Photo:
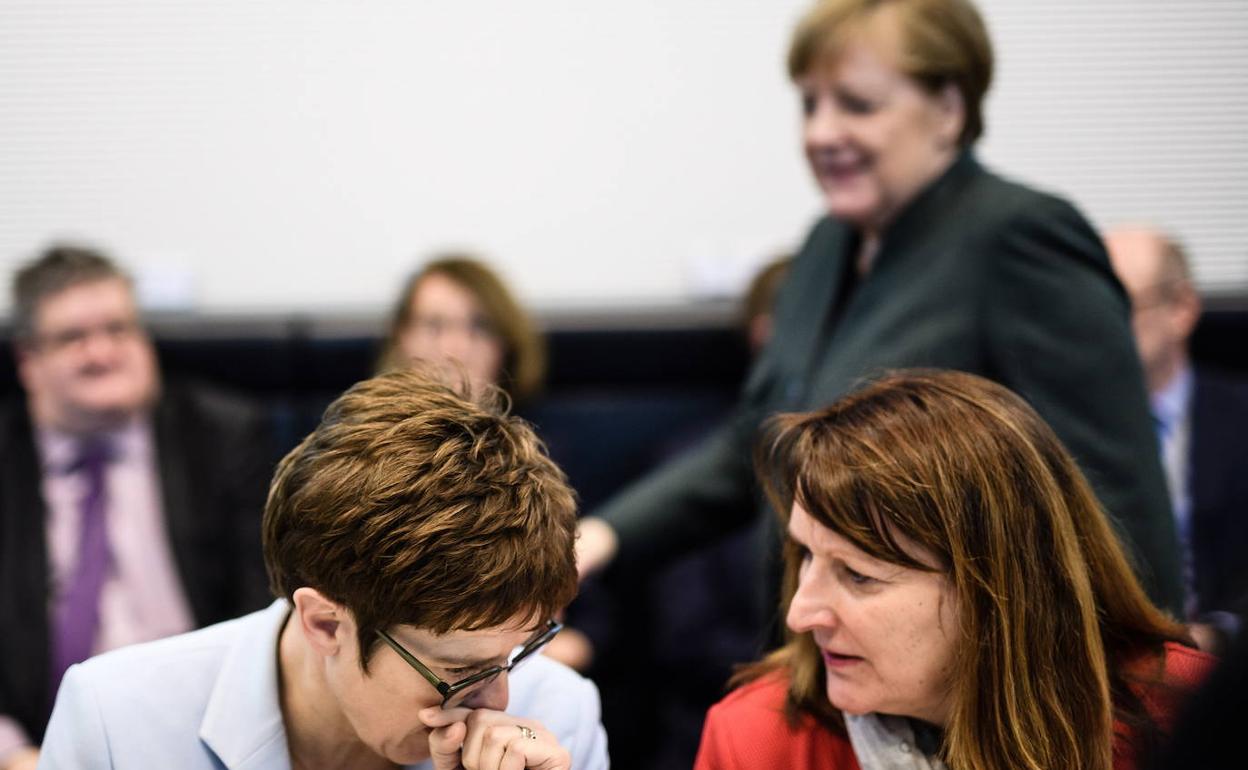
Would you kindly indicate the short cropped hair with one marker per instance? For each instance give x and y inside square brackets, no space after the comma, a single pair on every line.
[411,504]
[524,350]
[942,41]
[1050,613]
[59,267]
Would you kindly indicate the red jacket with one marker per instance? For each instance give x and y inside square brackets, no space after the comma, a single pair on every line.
[747,729]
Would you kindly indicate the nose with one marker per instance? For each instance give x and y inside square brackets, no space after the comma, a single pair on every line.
[455,343]
[812,606]
[492,696]
[99,348]
[822,126]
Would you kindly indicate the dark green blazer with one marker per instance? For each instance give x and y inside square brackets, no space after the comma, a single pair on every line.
[977,274]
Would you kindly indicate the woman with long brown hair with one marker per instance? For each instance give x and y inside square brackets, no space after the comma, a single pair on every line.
[456,313]
[954,594]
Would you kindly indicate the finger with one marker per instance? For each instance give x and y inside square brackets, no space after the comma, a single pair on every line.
[479,723]
[492,728]
[440,717]
[513,759]
[444,746]
[493,746]
[542,752]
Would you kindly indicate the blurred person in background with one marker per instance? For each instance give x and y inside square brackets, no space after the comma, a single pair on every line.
[955,597]
[129,509]
[419,542]
[703,619]
[456,313]
[758,310]
[925,258]
[1201,417]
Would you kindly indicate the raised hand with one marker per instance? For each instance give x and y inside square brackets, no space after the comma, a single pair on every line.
[482,739]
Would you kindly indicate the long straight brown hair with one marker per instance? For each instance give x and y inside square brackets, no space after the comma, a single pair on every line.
[1051,616]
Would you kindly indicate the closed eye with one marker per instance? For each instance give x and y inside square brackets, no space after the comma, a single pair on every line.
[854,104]
[465,672]
[808,103]
[857,578]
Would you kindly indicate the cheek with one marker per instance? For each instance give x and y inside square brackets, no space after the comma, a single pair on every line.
[914,648]
[413,345]
[142,363]
[382,716]
[491,360]
[929,654]
[483,362]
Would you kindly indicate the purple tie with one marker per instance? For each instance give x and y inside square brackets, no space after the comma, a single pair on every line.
[77,612]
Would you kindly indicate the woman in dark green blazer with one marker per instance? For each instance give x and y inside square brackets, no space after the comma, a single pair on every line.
[924,259]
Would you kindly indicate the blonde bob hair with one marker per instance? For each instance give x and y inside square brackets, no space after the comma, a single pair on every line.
[941,42]
[1052,621]
[524,351]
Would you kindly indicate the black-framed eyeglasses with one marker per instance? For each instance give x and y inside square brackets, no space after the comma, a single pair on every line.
[456,693]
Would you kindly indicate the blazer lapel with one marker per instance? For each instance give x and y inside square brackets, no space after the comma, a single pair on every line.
[242,723]
[178,499]
[814,285]
[24,572]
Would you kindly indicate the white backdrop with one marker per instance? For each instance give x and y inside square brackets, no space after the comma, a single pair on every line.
[257,155]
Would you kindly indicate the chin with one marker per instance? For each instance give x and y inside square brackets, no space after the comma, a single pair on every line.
[112,411]
[412,750]
[846,702]
[853,210]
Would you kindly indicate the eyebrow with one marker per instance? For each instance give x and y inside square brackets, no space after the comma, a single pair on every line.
[452,661]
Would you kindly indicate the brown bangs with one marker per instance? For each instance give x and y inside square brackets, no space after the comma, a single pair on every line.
[849,482]
[820,36]
[413,505]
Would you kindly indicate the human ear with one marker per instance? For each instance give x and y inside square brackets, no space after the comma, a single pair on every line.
[1187,308]
[952,114]
[324,623]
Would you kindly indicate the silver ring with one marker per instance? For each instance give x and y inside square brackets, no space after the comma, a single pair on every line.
[527,732]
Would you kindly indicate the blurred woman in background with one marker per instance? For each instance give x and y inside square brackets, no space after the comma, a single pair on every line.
[456,312]
[954,593]
[459,315]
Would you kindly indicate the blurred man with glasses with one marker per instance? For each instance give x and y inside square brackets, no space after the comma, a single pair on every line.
[129,508]
[420,544]
[1201,418]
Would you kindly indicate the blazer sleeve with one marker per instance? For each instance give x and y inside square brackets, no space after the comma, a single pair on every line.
[588,739]
[701,495]
[1058,333]
[711,490]
[76,738]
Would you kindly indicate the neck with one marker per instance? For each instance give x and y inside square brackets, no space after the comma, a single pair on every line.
[867,249]
[1162,374]
[318,735]
[874,230]
[76,425]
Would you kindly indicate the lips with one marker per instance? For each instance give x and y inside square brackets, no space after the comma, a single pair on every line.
[838,661]
[837,165]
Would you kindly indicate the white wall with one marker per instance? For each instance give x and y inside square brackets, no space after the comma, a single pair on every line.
[304,154]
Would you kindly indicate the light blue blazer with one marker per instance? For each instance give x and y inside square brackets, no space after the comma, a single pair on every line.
[208,700]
